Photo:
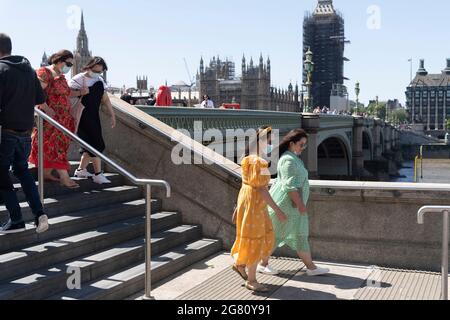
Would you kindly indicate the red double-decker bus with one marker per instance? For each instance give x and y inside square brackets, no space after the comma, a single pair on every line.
[232,106]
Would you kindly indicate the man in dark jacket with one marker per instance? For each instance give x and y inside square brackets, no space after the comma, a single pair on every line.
[20,92]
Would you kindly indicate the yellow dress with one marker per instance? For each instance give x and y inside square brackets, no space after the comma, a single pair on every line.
[255,237]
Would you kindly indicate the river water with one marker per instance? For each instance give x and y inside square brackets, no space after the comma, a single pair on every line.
[406,173]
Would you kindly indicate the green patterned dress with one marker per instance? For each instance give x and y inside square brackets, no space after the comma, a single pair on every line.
[292,176]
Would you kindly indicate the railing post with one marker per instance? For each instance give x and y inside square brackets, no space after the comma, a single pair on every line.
[148,244]
[415,168]
[421,163]
[41,158]
[445,257]
[445,211]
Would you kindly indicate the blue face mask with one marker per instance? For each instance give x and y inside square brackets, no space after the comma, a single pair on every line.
[65,69]
[269,149]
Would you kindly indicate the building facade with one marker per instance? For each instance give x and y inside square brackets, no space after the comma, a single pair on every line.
[142,83]
[252,90]
[428,98]
[324,35]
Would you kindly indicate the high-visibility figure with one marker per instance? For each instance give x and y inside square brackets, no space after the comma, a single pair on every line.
[164,97]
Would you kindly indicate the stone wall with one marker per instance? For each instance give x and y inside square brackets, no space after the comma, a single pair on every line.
[375,227]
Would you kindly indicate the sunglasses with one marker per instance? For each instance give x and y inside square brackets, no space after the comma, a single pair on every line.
[69,64]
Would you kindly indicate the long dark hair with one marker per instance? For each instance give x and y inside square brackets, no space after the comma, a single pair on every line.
[294,136]
[60,56]
[251,144]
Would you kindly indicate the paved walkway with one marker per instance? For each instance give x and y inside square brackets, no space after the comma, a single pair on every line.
[213,279]
[435,171]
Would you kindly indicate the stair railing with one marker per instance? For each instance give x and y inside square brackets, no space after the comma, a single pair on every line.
[444,210]
[41,116]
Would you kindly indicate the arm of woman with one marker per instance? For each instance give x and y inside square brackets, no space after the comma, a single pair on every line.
[292,184]
[49,111]
[265,194]
[75,93]
[107,102]
[298,202]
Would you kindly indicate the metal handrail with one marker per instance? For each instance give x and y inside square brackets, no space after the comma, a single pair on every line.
[445,210]
[143,182]
[379,186]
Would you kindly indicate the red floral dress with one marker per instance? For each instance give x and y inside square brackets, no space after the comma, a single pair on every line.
[56,144]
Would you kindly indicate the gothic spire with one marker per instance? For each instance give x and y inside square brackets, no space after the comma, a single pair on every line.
[82,21]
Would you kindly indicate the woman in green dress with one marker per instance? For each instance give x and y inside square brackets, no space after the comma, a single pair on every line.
[291,194]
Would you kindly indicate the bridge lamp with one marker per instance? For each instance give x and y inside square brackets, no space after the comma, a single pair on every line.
[309,68]
[357,91]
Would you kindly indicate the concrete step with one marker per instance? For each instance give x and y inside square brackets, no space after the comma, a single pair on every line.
[50,281]
[80,201]
[34,171]
[24,261]
[129,281]
[53,189]
[80,221]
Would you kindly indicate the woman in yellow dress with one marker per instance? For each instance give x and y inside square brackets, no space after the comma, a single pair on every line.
[255,238]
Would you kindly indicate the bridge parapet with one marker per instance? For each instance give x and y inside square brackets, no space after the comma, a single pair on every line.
[338,145]
[184,118]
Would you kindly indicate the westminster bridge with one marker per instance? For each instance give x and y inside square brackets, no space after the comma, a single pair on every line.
[338,146]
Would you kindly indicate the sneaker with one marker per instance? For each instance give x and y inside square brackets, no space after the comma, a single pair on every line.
[267,270]
[41,224]
[10,228]
[101,179]
[317,272]
[83,174]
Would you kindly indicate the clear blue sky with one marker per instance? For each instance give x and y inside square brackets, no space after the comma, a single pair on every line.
[152,37]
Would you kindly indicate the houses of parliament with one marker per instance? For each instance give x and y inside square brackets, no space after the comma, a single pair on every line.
[252,90]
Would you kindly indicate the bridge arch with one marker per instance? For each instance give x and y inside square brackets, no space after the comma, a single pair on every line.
[368,146]
[334,157]
[382,144]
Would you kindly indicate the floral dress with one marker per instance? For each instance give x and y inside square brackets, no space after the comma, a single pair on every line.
[56,144]
[292,176]
[254,233]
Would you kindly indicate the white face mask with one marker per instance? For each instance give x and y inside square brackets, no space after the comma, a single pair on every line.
[94,75]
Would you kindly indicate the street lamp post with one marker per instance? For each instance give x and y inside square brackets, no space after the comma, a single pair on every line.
[377,103]
[357,91]
[309,68]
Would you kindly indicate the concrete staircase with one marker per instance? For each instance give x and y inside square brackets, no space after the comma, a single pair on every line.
[100,231]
